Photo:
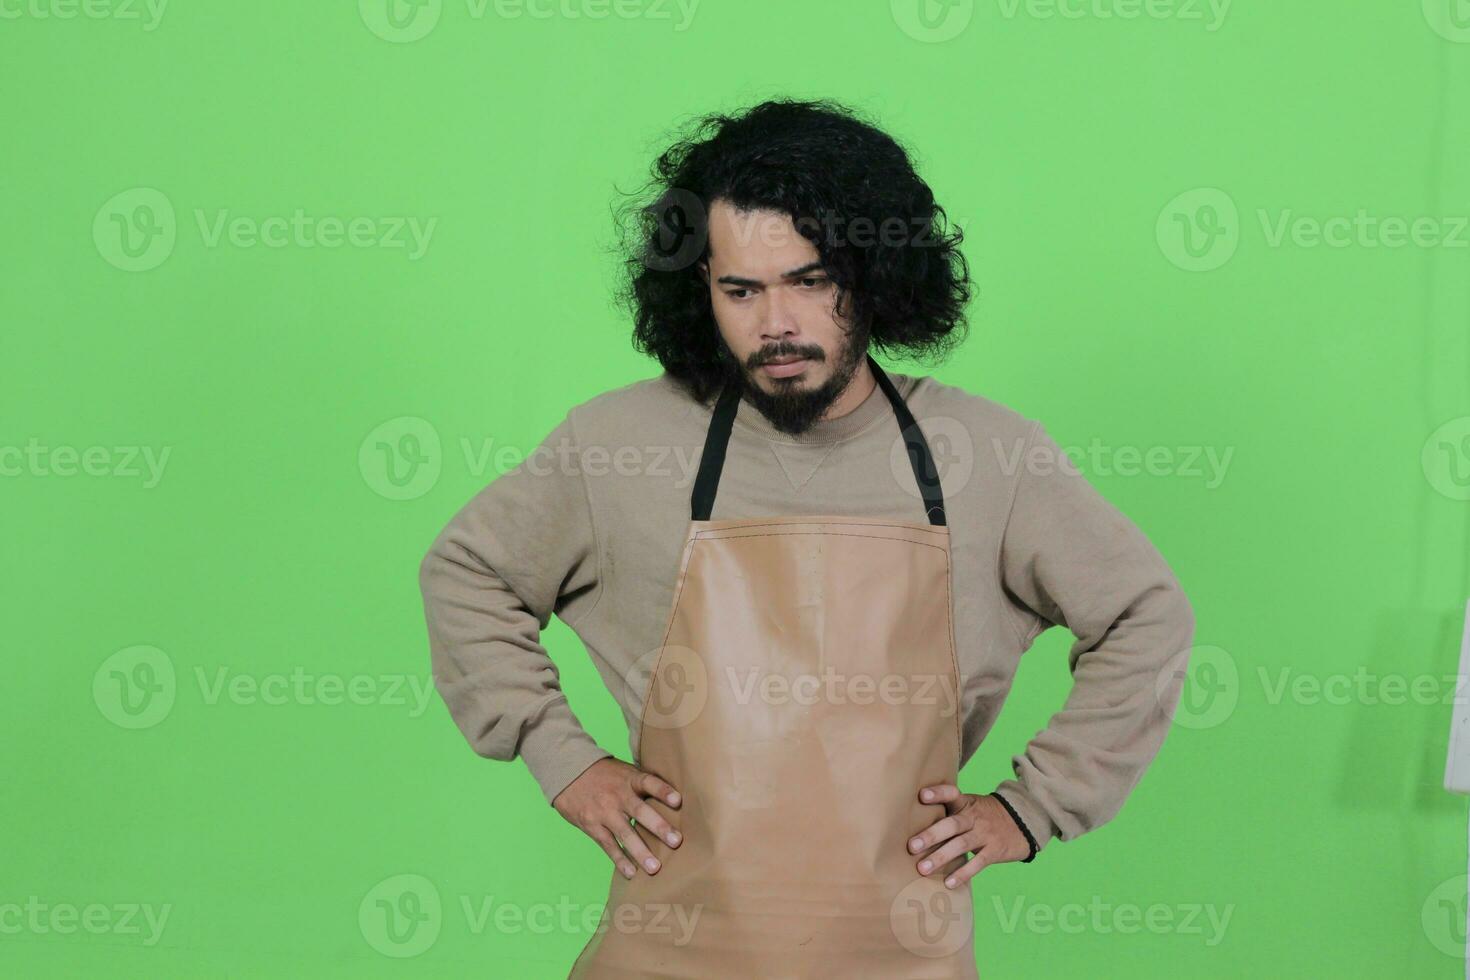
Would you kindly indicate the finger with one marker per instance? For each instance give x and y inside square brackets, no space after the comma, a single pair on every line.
[650,785]
[606,841]
[941,830]
[650,818]
[939,793]
[952,848]
[635,848]
[970,869]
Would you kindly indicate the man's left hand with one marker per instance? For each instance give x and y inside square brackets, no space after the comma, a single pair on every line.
[972,823]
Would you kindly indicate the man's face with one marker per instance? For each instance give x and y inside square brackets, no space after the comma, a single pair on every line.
[777,317]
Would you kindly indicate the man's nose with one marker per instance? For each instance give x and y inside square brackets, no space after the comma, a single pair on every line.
[780,316]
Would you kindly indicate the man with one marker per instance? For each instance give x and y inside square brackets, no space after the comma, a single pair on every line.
[809,637]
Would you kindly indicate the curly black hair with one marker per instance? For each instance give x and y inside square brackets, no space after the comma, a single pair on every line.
[848,188]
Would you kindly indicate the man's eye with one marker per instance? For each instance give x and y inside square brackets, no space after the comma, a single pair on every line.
[736,293]
[808,280]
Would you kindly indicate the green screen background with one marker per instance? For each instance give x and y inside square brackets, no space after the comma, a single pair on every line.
[1074,151]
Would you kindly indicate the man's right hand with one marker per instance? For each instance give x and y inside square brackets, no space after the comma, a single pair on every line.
[603,802]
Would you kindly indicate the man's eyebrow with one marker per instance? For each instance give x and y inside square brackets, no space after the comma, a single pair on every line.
[790,274]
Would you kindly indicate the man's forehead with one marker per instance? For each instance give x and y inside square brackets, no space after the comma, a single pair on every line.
[728,217]
[759,236]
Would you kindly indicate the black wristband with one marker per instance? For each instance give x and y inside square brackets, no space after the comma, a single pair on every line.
[1019,823]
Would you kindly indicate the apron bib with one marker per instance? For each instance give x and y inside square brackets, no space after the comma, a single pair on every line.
[805,689]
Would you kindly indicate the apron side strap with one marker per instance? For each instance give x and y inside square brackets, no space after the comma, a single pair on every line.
[926,474]
[712,457]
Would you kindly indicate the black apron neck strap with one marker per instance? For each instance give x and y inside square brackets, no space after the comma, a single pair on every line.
[712,459]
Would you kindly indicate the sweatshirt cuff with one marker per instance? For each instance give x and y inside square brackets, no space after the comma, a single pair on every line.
[557,750]
[1027,813]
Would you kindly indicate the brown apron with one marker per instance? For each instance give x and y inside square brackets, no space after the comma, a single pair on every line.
[806,688]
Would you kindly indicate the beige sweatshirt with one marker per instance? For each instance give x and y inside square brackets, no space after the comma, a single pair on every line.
[591,524]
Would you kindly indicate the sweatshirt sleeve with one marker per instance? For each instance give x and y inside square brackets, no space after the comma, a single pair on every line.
[515,554]
[1069,558]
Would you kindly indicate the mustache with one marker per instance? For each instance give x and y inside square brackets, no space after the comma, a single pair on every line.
[786,350]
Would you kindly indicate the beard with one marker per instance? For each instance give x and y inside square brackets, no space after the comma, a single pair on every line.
[793,408]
